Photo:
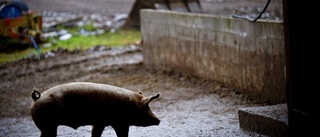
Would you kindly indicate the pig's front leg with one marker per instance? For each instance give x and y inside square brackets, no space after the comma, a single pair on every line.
[49,131]
[97,130]
[121,130]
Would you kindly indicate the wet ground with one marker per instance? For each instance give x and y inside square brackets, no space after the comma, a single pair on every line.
[187,106]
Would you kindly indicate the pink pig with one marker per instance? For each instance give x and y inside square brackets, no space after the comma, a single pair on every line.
[83,103]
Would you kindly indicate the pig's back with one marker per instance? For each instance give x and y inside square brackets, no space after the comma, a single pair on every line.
[88,89]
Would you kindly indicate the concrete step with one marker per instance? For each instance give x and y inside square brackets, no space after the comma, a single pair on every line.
[267,120]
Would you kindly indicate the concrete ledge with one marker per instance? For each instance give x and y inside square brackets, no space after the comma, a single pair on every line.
[268,120]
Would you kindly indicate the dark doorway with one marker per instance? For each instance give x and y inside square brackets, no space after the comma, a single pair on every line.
[301,40]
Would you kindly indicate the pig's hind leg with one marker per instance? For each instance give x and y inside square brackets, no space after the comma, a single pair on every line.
[97,130]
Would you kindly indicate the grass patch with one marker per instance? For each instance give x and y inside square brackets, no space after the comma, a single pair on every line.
[79,42]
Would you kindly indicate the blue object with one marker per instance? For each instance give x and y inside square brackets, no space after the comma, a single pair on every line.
[10,11]
[35,45]
[13,9]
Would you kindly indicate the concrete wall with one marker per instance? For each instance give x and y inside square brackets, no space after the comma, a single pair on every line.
[248,56]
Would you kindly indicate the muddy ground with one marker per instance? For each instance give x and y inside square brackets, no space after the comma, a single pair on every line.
[187,106]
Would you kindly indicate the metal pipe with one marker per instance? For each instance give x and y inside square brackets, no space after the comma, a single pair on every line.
[251,19]
[35,45]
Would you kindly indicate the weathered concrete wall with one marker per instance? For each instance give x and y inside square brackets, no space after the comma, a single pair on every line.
[249,56]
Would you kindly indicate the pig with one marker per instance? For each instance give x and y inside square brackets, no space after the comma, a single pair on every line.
[78,104]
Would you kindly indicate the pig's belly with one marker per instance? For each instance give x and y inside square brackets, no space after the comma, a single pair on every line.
[80,120]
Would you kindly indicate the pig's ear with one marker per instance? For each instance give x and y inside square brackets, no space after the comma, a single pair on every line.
[147,100]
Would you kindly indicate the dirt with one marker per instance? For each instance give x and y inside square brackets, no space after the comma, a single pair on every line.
[187,106]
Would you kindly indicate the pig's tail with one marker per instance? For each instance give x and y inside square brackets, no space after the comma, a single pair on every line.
[35,95]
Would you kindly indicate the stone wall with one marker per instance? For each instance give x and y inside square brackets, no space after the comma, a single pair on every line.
[248,56]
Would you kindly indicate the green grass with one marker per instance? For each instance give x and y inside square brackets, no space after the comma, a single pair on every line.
[108,39]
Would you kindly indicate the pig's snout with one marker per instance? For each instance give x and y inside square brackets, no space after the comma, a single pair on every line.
[154,121]
[149,122]
[151,119]
[157,122]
